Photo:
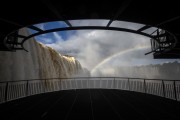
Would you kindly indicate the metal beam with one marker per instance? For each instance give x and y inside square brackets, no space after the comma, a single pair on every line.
[144,28]
[151,52]
[11,22]
[123,7]
[87,28]
[169,20]
[35,28]
[177,34]
[55,12]
[161,35]
[21,36]
[19,25]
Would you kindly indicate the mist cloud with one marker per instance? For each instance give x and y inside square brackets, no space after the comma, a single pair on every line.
[91,47]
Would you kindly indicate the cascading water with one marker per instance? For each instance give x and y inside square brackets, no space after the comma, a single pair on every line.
[39,63]
[57,65]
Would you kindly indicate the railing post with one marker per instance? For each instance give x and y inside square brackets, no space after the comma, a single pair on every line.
[27,88]
[60,85]
[88,83]
[145,86]
[175,95]
[47,85]
[129,84]
[163,87]
[44,85]
[114,83]
[6,91]
[100,86]
[75,84]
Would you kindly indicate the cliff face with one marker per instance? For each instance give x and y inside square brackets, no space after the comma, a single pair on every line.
[40,62]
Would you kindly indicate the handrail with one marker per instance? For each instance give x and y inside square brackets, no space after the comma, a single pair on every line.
[10,90]
[91,77]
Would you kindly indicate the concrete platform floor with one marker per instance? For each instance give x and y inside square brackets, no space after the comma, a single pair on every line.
[91,104]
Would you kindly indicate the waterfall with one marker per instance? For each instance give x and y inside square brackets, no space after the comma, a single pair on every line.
[53,64]
[39,63]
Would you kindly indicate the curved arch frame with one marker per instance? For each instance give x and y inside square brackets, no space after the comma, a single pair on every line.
[87,28]
[39,32]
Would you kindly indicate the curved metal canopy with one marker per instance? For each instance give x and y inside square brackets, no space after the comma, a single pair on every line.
[161,14]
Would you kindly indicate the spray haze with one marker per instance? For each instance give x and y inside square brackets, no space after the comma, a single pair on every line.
[101,50]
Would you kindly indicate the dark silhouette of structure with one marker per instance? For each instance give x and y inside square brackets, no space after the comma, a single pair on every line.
[40,99]
[164,15]
[91,104]
[90,98]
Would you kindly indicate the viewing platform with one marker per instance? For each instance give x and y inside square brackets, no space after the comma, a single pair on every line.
[90,99]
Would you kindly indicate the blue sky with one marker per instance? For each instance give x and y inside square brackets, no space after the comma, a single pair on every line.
[50,37]
[94,47]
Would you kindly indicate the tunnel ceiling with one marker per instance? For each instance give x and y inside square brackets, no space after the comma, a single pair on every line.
[161,14]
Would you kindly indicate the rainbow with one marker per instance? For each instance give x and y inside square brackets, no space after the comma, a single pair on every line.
[117,54]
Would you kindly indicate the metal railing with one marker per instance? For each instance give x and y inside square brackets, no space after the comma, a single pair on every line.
[163,41]
[11,90]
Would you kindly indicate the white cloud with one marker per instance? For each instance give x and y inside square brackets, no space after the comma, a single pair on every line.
[44,39]
[57,37]
[91,47]
[41,26]
[95,45]
[89,22]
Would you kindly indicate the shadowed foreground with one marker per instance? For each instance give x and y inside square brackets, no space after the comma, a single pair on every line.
[91,104]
